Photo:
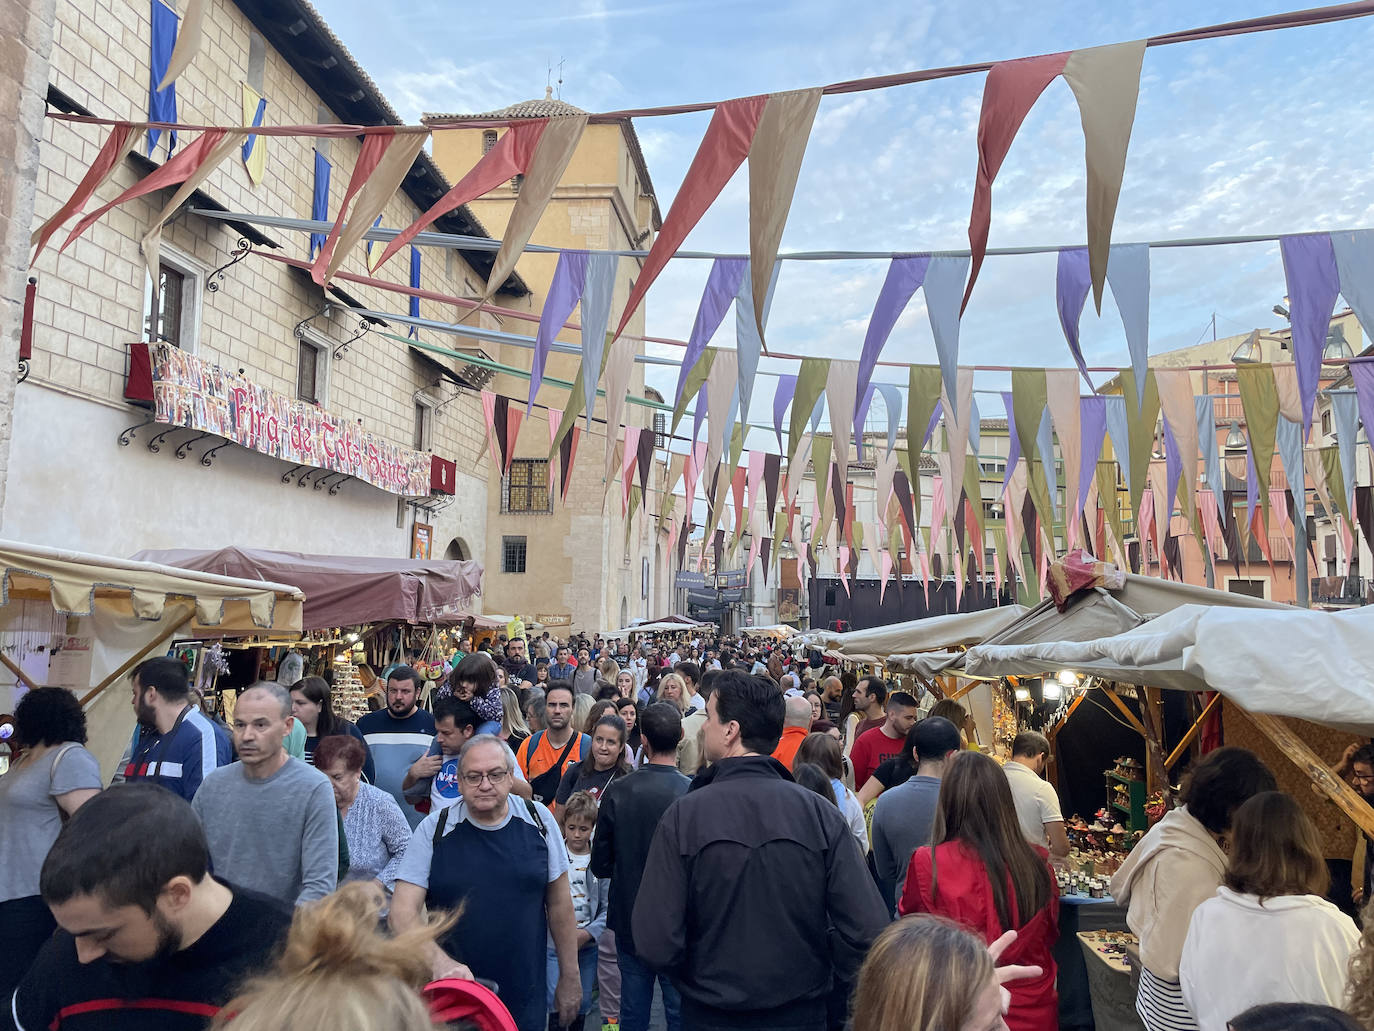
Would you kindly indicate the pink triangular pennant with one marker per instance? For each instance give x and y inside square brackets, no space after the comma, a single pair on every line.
[627,462]
[489,410]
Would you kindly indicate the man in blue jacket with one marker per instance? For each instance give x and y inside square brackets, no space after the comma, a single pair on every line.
[175,744]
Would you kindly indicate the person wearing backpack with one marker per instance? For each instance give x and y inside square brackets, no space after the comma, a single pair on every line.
[500,863]
[546,756]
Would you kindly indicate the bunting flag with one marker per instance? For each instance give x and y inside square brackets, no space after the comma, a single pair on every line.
[1111,507]
[1344,410]
[319,200]
[1030,403]
[617,368]
[957,422]
[1013,441]
[1309,269]
[811,380]
[1205,412]
[255,147]
[753,470]
[1071,284]
[1364,511]
[923,397]
[116,147]
[505,428]
[1106,82]
[1061,394]
[749,338]
[1044,444]
[908,503]
[152,239]
[162,96]
[489,410]
[695,459]
[1335,482]
[1354,253]
[892,401]
[782,397]
[1180,420]
[737,486]
[1128,271]
[1141,419]
[629,453]
[597,296]
[840,399]
[884,473]
[771,468]
[1259,400]
[1288,437]
[550,159]
[943,284]
[1092,420]
[187,45]
[511,156]
[722,150]
[1209,507]
[1278,505]
[371,246]
[383,163]
[721,389]
[565,290]
[184,166]
[415,263]
[904,277]
[567,453]
[645,456]
[722,285]
[775,158]
[1316,472]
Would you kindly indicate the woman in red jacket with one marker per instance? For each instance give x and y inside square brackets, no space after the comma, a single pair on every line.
[982,873]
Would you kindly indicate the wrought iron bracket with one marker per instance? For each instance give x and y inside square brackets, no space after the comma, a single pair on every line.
[299,331]
[305,476]
[290,474]
[439,408]
[23,370]
[334,487]
[320,481]
[184,448]
[364,327]
[209,456]
[216,278]
[126,437]
[153,445]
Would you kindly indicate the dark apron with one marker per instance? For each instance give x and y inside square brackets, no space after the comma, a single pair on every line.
[499,878]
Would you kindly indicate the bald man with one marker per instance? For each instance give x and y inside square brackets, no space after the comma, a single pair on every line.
[831,692]
[796,724]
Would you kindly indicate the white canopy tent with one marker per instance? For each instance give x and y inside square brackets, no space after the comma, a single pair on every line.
[1091,614]
[82,621]
[779,631]
[882,643]
[1285,662]
[661,626]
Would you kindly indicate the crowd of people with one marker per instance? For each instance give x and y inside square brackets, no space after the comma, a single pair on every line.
[565,830]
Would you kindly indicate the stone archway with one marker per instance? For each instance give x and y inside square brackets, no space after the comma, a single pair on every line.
[458,550]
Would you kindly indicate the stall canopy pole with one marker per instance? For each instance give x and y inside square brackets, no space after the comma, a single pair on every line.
[1131,717]
[1152,714]
[23,677]
[1311,764]
[139,656]
[1193,732]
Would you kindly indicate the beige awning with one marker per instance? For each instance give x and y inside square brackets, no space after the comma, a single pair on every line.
[917,635]
[75,583]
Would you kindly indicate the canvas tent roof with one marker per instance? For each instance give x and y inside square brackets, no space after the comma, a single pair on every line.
[917,635]
[670,625]
[780,631]
[1279,661]
[344,590]
[1092,614]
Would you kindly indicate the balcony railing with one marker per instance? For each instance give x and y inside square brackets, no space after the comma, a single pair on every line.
[1340,590]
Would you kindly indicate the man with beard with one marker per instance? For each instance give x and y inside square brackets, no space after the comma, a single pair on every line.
[398,735]
[545,756]
[147,938]
[174,744]
[517,665]
[270,819]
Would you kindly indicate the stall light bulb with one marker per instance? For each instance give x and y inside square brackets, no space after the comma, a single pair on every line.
[351,637]
[1053,690]
[1067,678]
[1023,694]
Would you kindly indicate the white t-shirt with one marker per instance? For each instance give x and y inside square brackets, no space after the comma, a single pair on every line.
[583,906]
[420,852]
[1037,803]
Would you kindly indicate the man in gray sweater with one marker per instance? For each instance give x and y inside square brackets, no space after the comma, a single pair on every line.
[270,819]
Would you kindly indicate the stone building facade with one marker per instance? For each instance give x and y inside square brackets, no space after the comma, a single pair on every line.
[71,483]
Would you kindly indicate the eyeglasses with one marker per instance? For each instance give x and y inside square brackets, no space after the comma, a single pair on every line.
[1364,778]
[495,777]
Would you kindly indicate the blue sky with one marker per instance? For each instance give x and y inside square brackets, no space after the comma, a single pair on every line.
[1268,133]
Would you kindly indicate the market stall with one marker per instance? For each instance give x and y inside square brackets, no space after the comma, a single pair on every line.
[934,633]
[84,621]
[775,631]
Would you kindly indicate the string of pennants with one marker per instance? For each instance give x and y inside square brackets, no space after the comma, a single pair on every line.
[1043,406]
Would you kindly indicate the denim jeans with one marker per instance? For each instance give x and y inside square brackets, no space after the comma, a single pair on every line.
[637,995]
[586,969]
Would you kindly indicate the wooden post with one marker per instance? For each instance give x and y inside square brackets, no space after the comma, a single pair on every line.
[1322,775]
[1131,718]
[23,677]
[1193,732]
[1152,714]
[139,656]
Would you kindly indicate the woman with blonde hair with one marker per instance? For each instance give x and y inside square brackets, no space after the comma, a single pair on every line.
[337,972]
[673,690]
[514,729]
[925,973]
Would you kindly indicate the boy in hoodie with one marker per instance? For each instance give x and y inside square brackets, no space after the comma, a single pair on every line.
[1177,866]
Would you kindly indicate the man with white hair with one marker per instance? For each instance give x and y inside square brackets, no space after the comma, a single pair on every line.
[269,818]
[796,724]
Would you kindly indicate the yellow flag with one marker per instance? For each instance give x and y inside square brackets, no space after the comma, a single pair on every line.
[255,154]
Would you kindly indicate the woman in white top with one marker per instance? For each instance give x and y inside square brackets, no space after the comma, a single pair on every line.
[1267,935]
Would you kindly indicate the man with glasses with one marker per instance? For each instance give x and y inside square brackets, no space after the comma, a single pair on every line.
[1357,767]
[502,862]
[398,735]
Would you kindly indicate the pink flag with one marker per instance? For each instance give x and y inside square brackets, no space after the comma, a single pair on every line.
[884,573]
[1211,523]
[1278,504]
[737,491]
[842,566]
[510,157]
[958,577]
[997,575]
[627,461]
[179,168]
[1011,90]
[722,150]
[937,505]
[925,576]
[1347,546]
[489,410]
[122,137]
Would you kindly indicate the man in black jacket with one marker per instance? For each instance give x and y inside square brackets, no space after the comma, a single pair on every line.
[755,895]
[630,812]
